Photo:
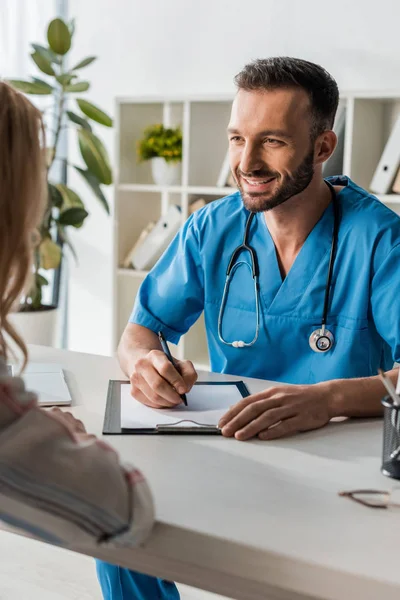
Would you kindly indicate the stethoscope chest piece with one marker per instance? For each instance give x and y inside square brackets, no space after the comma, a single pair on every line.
[321,340]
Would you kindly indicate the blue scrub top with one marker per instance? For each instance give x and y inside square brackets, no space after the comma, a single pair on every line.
[364,312]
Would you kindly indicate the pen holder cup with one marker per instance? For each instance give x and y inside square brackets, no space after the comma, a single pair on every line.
[391,438]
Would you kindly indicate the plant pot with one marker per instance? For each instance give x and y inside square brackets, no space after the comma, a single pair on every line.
[165,173]
[37,326]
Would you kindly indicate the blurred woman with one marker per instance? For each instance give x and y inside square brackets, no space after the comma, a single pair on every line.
[56,481]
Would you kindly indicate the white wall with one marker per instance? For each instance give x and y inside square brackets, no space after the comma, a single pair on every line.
[21,21]
[196,47]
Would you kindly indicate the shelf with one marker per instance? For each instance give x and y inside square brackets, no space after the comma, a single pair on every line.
[206,190]
[213,191]
[131,272]
[148,187]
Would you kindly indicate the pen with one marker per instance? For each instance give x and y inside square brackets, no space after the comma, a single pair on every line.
[396,402]
[168,354]
[389,387]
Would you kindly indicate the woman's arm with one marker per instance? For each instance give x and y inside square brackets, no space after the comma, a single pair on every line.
[60,483]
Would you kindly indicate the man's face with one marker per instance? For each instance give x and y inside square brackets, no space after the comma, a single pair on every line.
[270,148]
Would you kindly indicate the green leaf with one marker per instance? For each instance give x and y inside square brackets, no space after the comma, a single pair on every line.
[74,216]
[46,53]
[80,86]
[35,294]
[78,120]
[43,64]
[95,156]
[55,196]
[59,37]
[50,254]
[69,197]
[84,63]
[94,113]
[31,87]
[41,280]
[65,78]
[93,182]
[38,80]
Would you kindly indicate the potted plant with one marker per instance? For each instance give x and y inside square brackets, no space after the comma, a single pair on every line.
[65,208]
[163,147]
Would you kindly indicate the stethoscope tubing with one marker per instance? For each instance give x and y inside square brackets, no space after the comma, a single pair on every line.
[245,247]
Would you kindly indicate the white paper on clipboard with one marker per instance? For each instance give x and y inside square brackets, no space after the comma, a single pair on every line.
[206,405]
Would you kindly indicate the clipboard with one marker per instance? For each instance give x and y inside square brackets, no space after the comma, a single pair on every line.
[112,417]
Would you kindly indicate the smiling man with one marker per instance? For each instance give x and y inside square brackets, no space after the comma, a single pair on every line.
[313,304]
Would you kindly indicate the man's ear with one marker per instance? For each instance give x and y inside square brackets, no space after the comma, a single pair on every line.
[325,145]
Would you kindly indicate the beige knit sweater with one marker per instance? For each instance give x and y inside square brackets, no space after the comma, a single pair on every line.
[65,488]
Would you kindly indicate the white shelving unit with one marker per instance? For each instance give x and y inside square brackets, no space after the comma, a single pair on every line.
[368,121]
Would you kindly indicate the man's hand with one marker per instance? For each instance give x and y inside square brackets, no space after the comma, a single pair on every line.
[277,412]
[156,383]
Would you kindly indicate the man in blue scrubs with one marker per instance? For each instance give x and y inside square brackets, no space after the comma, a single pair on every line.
[280,134]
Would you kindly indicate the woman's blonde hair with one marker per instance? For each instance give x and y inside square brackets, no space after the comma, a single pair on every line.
[22,200]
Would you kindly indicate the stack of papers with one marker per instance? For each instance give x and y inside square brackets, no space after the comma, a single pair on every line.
[47,380]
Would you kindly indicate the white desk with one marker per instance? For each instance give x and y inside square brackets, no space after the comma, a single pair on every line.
[254,520]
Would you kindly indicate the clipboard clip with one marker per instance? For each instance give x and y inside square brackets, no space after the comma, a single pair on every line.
[196,427]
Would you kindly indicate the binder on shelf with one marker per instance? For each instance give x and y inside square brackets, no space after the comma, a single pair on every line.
[389,163]
[224,172]
[334,165]
[127,262]
[147,253]
[396,183]
[340,119]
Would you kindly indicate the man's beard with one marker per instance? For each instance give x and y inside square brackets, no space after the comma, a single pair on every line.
[291,186]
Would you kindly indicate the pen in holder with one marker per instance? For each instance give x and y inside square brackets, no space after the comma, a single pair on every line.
[391,438]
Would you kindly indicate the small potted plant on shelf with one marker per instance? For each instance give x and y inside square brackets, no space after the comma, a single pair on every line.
[65,209]
[163,147]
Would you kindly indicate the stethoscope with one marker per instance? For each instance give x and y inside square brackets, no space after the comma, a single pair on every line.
[321,340]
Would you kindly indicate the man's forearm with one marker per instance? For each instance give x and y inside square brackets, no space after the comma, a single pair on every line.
[136,341]
[357,397]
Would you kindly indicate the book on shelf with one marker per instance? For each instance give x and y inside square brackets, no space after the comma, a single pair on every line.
[389,163]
